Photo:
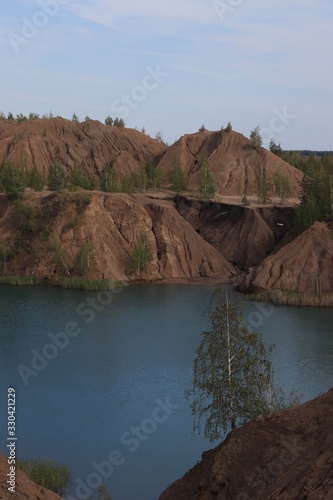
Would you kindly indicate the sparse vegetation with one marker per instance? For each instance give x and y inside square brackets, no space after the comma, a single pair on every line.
[202,128]
[13,180]
[88,284]
[49,474]
[207,183]
[177,178]
[84,257]
[35,181]
[281,186]
[56,179]
[263,185]
[141,255]
[256,139]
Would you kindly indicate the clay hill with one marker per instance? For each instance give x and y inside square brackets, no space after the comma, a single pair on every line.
[91,144]
[232,159]
[286,456]
[305,265]
[62,225]
[25,489]
[88,144]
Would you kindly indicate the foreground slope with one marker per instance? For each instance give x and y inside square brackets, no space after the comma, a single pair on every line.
[112,223]
[304,266]
[25,489]
[286,456]
[233,162]
[88,144]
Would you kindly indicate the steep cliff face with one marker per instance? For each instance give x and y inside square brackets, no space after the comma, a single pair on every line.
[245,236]
[305,265]
[285,456]
[233,162]
[112,223]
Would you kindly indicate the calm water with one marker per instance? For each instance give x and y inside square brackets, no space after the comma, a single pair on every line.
[116,391]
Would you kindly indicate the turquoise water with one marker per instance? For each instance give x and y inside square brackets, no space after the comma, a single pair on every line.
[111,401]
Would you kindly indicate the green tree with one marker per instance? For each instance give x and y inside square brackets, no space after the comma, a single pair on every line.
[141,255]
[7,253]
[13,181]
[281,185]
[233,379]
[75,118]
[77,178]
[36,181]
[108,177]
[61,257]
[56,178]
[109,121]
[256,138]
[177,178]
[202,128]
[207,183]
[263,185]
[101,494]
[84,257]
[275,149]
[155,176]
[119,122]
[10,116]
[228,127]
[21,118]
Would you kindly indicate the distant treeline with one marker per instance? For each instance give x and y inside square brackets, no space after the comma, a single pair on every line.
[308,152]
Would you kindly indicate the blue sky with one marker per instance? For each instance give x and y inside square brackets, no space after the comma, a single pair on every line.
[174,65]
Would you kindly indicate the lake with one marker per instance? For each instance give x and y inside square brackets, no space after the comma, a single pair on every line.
[100,377]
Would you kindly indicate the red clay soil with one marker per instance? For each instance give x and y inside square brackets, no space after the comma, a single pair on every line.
[304,265]
[113,223]
[25,489]
[88,144]
[233,162]
[287,456]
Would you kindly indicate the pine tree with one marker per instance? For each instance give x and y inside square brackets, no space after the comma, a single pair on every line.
[56,179]
[256,138]
[13,181]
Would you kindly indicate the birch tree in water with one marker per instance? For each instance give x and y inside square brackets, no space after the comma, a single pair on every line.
[233,379]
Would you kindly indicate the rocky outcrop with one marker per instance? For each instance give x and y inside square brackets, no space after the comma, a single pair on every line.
[286,456]
[112,223]
[25,489]
[305,265]
[233,162]
[244,235]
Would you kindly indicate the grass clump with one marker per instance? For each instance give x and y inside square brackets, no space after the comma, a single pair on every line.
[19,280]
[293,298]
[88,284]
[51,475]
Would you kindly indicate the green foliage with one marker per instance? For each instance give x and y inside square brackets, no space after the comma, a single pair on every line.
[25,217]
[159,137]
[233,379]
[84,257]
[21,118]
[177,178]
[228,128]
[61,257]
[119,122]
[7,253]
[56,179]
[281,186]
[35,181]
[155,176]
[10,116]
[101,494]
[75,118]
[141,255]
[109,121]
[13,180]
[87,118]
[2,115]
[245,201]
[77,178]
[263,185]
[109,179]
[48,116]
[202,128]
[85,284]
[33,116]
[207,183]
[49,474]
[256,138]
[275,149]
[19,280]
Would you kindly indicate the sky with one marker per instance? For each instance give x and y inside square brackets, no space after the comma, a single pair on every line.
[172,66]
